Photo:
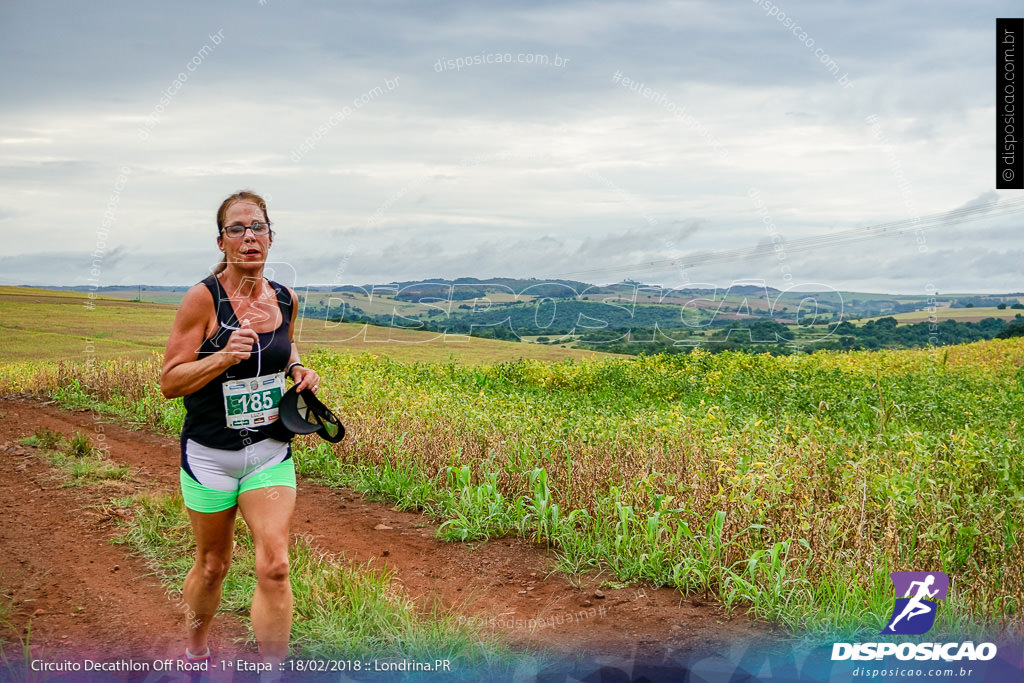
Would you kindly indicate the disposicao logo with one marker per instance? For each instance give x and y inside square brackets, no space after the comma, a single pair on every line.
[914,612]
[917,594]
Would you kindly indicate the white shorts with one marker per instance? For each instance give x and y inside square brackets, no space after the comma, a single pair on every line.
[223,470]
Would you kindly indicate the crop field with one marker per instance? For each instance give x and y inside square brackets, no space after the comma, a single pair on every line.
[786,486]
[39,324]
[945,313]
[43,324]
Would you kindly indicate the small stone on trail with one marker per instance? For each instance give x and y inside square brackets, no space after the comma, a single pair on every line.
[599,595]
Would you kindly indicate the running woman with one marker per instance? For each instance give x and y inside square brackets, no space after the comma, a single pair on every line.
[230,349]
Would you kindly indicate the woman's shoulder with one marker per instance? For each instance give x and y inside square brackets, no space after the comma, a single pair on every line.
[196,313]
[198,300]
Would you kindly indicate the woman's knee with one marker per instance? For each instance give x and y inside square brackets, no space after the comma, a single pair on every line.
[272,568]
[212,568]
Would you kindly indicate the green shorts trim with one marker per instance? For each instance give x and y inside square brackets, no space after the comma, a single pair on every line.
[202,499]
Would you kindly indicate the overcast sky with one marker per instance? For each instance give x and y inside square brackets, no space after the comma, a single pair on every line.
[409,140]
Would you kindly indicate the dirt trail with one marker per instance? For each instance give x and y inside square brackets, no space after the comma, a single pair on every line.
[85,595]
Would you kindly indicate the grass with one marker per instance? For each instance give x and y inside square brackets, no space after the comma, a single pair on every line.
[15,668]
[787,486]
[411,346]
[340,608]
[70,325]
[40,325]
[82,463]
[972,314]
[43,438]
[7,628]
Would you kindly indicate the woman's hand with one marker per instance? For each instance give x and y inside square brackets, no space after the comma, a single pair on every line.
[240,343]
[183,371]
[305,378]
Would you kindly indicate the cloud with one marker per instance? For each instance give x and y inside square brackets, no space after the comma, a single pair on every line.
[985,199]
[499,167]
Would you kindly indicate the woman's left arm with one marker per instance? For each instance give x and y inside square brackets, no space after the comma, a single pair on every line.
[305,378]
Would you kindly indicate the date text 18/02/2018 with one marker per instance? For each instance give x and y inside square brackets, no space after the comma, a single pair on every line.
[334,665]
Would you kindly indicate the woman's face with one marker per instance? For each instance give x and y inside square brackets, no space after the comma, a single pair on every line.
[247,250]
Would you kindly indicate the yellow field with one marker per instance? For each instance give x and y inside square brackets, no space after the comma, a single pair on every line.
[972,315]
[378,304]
[41,324]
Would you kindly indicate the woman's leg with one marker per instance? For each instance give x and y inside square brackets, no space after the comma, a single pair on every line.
[215,536]
[268,512]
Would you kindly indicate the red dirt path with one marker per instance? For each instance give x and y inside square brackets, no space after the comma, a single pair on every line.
[85,596]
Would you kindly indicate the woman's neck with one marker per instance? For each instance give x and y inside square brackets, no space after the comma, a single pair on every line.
[238,284]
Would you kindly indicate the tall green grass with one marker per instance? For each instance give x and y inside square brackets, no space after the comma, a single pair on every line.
[790,486]
[340,608]
[81,461]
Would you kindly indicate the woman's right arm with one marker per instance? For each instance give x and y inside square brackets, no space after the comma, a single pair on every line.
[183,371]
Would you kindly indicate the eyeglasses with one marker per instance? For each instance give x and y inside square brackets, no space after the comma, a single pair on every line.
[236,231]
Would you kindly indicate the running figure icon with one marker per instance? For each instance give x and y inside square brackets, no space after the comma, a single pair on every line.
[915,605]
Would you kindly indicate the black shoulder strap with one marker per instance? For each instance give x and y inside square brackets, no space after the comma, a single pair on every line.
[284,300]
[225,313]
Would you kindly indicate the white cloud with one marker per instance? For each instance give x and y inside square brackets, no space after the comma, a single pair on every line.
[509,169]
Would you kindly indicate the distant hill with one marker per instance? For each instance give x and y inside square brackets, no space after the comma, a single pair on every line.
[633,317]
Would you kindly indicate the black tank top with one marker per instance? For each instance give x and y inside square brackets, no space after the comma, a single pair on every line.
[204,409]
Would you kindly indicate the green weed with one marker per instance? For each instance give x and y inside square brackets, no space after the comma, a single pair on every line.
[340,608]
[79,446]
[80,461]
[780,485]
[15,647]
[43,438]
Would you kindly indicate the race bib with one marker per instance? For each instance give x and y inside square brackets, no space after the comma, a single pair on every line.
[252,403]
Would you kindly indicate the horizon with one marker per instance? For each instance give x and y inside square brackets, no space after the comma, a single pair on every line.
[369,287]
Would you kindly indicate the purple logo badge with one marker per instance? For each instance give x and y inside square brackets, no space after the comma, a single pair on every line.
[916,596]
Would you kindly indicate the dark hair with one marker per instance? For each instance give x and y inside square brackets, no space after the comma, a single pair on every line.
[222,212]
